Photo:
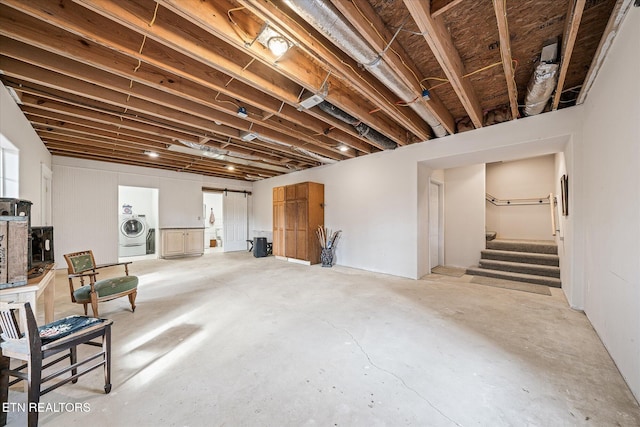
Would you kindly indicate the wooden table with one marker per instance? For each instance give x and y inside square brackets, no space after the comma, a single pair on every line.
[30,292]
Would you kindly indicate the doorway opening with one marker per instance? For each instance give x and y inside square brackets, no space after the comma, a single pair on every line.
[137,223]
[436,223]
[214,222]
[229,210]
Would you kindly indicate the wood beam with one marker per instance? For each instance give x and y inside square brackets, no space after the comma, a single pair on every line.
[111,57]
[75,109]
[102,62]
[619,11]
[109,88]
[60,123]
[438,7]
[35,99]
[439,39]
[294,70]
[124,148]
[364,18]
[313,44]
[574,16]
[181,101]
[500,8]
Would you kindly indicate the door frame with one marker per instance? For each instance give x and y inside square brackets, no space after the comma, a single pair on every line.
[441,220]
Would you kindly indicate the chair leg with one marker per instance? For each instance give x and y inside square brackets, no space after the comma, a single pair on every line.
[4,387]
[85,308]
[73,357]
[132,300]
[106,348]
[94,304]
[34,375]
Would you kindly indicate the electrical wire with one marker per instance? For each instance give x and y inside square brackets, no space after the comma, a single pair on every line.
[236,27]
[144,39]
[223,100]
[388,45]
[320,43]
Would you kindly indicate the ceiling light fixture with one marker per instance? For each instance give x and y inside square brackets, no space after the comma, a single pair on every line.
[231,168]
[248,136]
[343,148]
[273,40]
[278,45]
[152,154]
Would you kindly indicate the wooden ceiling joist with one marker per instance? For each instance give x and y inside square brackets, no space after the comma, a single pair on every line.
[440,42]
[500,7]
[305,74]
[190,99]
[370,26]
[143,100]
[108,80]
[439,7]
[311,42]
[152,127]
[619,11]
[63,43]
[574,16]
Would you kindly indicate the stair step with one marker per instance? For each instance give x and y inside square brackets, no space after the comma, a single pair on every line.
[536,246]
[519,277]
[523,257]
[519,267]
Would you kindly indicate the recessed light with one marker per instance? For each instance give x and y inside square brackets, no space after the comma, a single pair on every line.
[343,148]
[152,154]
[231,168]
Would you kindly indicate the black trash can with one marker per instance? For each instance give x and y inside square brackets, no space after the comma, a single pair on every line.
[259,247]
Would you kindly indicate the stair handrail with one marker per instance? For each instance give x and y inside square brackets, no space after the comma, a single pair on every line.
[518,202]
[553,214]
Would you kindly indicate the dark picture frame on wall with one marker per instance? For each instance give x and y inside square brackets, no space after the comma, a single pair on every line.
[564,188]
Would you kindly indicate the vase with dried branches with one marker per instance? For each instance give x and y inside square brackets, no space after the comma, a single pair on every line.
[328,242]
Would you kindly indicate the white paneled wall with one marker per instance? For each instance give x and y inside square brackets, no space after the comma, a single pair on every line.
[85,202]
[85,214]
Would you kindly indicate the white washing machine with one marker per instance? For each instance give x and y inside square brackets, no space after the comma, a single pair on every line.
[133,235]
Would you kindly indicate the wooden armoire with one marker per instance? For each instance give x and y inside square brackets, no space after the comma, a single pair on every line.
[298,210]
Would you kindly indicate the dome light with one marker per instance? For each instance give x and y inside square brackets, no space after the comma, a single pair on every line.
[278,45]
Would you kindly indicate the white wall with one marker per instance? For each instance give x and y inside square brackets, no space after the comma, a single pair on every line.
[86,210]
[464,235]
[374,199]
[521,179]
[564,235]
[609,201]
[33,153]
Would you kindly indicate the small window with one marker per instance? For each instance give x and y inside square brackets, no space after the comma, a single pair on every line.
[9,168]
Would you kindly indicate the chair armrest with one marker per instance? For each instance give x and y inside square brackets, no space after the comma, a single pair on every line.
[113,264]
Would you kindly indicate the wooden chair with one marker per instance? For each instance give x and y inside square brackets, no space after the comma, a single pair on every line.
[81,265]
[39,343]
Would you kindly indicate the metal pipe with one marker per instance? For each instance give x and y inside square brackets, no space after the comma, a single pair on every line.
[363,130]
[325,18]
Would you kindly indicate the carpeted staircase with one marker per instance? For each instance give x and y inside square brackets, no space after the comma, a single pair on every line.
[531,261]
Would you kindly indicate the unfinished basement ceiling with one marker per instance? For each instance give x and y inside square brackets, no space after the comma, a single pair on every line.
[194,81]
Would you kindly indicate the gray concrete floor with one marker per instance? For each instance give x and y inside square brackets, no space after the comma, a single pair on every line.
[233,340]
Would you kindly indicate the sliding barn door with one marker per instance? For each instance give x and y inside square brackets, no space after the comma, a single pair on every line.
[234,207]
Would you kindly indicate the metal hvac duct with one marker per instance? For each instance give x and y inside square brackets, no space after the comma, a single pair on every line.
[307,153]
[540,88]
[363,130]
[325,18]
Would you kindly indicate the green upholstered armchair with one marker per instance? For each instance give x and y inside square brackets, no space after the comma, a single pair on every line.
[82,265]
